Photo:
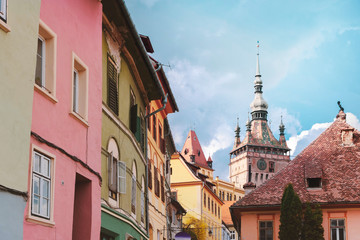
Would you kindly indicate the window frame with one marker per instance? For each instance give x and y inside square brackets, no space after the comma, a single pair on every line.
[337,228]
[133,190]
[3,11]
[34,217]
[265,229]
[43,61]
[121,177]
[48,83]
[83,94]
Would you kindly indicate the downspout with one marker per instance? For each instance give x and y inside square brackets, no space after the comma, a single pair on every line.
[164,102]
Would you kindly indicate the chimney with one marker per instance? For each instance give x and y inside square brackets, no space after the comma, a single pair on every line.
[347,137]
[248,187]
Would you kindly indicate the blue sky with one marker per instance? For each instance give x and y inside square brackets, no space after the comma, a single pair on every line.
[309,59]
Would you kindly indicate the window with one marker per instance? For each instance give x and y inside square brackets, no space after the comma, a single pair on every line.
[215,209]
[150,176]
[133,189]
[162,189]
[232,235]
[154,127]
[271,166]
[219,212]
[208,203]
[41,185]
[266,230]
[212,206]
[204,199]
[337,228]
[121,177]
[79,88]
[314,182]
[156,182]
[112,86]
[3,10]
[173,195]
[142,200]
[45,72]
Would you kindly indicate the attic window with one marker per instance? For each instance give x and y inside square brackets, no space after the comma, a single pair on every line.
[186,151]
[192,157]
[314,182]
[199,153]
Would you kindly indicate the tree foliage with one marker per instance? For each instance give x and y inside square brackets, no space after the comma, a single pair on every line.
[290,215]
[312,224]
[195,227]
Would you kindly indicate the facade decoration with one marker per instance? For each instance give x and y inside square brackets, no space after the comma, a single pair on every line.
[323,173]
[259,155]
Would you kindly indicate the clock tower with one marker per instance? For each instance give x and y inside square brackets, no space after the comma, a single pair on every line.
[259,155]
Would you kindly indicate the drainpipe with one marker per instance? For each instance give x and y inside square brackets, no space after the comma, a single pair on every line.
[164,102]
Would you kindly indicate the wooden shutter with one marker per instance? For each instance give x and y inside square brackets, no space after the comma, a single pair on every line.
[150,176]
[162,189]
[133,118]
[112,94]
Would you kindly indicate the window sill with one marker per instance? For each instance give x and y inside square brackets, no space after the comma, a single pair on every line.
[5,27]
[45,93]
[79,118]
[39,220]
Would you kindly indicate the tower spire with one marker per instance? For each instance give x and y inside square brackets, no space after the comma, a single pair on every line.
[259,106]
[281,127]
[237,134]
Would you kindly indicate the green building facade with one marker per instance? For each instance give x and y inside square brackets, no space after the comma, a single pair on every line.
[129,84]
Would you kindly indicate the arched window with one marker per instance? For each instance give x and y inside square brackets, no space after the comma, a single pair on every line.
[142,199]
[133,188]
[116,177]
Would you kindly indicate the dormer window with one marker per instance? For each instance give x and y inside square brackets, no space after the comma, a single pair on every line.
[186,151]
[313,182]
[192,157]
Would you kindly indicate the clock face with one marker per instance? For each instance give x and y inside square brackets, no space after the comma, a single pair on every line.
[261,164]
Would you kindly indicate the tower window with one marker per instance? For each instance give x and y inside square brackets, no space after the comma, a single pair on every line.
[314,182]
[271,166]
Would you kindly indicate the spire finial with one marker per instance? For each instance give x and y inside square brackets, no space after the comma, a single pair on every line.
[248,124]
[237,129]
[341,108]
[258,62]
[281,126]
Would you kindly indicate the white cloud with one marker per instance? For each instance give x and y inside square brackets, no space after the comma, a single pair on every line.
[223,138]
[291,122]
[347,29]
[300,141]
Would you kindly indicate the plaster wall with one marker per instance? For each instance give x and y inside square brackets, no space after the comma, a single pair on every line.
[17,71]
[250,225]
[12,213]
[180,173]
[77,25]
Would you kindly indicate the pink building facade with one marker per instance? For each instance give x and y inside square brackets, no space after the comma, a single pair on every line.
[64,181]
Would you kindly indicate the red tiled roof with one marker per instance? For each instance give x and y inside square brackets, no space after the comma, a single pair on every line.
[192,147]
[326,157]
[261,135]
[225,213]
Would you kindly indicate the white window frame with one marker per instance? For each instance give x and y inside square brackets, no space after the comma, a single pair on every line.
[44,176]
[81,96]
[121,177]
[142,199]
[3,10]
[337,228]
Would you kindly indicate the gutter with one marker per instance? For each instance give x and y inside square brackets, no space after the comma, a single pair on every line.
[143,52]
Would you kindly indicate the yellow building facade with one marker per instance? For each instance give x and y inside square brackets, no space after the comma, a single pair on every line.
[194,192]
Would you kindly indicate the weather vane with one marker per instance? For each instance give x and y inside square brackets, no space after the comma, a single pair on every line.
[341,108]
